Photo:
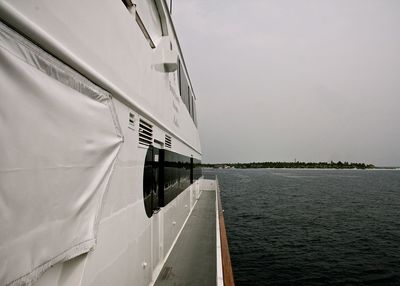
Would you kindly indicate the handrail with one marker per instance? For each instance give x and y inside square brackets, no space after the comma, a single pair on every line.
[226,258]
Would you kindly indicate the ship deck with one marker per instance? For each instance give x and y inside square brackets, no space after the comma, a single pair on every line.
[193,259]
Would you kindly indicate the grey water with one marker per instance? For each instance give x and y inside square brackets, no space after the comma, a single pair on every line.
[312,227]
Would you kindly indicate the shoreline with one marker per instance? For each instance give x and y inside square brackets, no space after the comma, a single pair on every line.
[295,165]
[269,168]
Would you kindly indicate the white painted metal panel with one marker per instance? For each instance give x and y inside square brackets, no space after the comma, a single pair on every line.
[102,41]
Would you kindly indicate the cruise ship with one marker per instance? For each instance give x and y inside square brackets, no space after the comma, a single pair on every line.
[100,178]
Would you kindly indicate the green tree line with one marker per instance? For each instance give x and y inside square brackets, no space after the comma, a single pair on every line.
[304,165]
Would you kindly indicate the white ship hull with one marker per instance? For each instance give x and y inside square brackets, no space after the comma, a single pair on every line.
[81,81]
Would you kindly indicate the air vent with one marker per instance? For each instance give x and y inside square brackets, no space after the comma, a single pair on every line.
[168,142]
[145,133]
[131,123]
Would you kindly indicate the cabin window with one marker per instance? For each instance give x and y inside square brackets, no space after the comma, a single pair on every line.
[194,112]
[186,92]
[166,175]
[183,85]
[190,102]
[177,170]
[144,30]
[150,181]
[197,172]
[128,4]
[150,17]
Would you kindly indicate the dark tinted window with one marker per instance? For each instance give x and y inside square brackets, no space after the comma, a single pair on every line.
[184,86]
[166,175]
[197,171]
[176,175]
[186,93]
[150,180]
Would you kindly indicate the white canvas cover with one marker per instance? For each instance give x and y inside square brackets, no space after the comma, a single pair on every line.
[59,139]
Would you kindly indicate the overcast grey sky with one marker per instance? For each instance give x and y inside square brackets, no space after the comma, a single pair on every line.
[277,79]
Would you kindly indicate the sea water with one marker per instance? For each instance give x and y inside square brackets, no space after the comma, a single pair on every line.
[312,227]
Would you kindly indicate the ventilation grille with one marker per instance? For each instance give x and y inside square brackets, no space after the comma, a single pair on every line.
[145,133]
[168,142]
[131,124]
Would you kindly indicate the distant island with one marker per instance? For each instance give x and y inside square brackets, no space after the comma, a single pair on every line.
[302,165]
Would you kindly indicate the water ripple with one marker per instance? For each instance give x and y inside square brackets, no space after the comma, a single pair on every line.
[312,227]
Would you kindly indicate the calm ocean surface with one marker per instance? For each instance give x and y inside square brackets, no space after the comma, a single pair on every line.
[312,227]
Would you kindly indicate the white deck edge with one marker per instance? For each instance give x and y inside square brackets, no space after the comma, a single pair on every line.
[220,275]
